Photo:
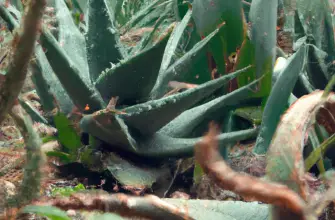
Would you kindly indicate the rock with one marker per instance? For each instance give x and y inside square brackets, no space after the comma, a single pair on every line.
[50,146]
[9,133]
[7,190]
[207,189]
[44,130]
[180,195]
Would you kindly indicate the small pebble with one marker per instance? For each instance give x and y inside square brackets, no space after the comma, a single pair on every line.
[71,212]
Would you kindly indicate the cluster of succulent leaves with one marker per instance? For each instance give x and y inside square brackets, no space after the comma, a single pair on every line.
[187,43]
[144,121]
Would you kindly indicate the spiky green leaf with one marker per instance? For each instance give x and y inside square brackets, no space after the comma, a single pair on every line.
[263,18]
[182,67]
[279,97]
[69,74]
[71,40]
[149,117]
[133,78]
[185,123]
[103,46]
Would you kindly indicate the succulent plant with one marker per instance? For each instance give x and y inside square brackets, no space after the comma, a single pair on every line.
[209,44]
[144,122]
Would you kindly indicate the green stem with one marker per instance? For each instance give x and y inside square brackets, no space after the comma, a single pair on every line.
[315,155]
[30,186]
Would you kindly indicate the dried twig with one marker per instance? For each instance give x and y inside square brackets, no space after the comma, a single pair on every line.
[181,85]
[128,206]
[174,178]
[112,103]
[251,188]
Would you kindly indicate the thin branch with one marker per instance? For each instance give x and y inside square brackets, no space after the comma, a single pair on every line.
[251,188]
[174,178]
[24,44]
[128,206]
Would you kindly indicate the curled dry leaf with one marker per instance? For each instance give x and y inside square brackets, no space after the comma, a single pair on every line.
[285,162]
[285,159]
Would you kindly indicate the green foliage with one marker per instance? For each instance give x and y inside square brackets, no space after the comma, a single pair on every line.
[208,15]
[263,18]
[246,56]
[76,10]
[51,212]
[130,22]
[48,138]
[182,67]
[67,190]
[70,39]
[279,98]
[197,173]
[252,114]
[62,156]
[159,112]
[67,135]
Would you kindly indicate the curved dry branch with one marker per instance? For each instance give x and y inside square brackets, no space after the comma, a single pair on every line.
[251,188]
[150,207]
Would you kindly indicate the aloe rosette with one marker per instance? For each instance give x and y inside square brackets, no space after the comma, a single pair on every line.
[103,68]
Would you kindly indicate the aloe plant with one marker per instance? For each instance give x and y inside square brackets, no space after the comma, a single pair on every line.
[209,44]
[103,69]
